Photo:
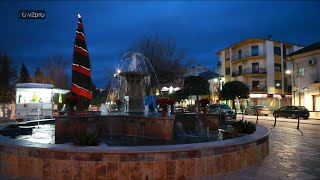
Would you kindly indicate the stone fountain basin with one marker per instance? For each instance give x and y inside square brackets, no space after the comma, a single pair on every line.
[186,161]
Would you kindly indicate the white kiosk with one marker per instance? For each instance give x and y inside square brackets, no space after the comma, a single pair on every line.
[34,101]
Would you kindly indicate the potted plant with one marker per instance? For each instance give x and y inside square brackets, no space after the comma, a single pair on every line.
[163,103]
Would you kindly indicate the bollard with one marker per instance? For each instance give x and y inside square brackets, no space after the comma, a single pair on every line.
[298,120]
[242,115]
[275,120]
[257,116]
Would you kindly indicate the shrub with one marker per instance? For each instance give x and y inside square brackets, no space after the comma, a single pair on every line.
[245,127]
[86,139]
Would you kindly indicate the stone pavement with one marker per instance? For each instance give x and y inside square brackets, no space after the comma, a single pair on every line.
[294,154]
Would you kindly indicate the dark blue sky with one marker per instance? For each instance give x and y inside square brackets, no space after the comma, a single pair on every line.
[202,28]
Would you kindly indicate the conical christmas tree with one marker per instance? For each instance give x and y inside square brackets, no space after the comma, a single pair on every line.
[81,69]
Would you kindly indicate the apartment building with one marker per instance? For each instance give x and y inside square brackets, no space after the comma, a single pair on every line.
[306,77]
[260,64]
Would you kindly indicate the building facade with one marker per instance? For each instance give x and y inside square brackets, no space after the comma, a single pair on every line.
[259,63]
[306,77]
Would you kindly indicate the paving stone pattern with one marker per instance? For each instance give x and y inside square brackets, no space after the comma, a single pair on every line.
[293,155]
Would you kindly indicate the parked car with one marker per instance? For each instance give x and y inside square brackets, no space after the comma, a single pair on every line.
[180,109]
[292,111]
[260,109]
[226,111]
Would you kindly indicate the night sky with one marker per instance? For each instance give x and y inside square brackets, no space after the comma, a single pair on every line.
[201,28]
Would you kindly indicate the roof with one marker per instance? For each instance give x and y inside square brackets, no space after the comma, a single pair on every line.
[34,85]
[209,75]
[256,39]
[309,48]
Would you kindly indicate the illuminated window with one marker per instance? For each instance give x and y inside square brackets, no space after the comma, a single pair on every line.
[278,84]
[301,72]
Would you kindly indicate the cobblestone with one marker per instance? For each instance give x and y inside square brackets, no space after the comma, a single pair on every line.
[294,155]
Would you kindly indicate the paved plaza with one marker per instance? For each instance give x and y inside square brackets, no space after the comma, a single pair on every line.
[294,154]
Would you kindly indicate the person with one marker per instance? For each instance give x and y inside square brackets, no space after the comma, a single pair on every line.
[34,98]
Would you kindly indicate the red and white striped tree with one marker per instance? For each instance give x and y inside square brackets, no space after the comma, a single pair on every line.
[81,69]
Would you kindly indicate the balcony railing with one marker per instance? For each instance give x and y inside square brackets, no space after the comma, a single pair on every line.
[250,71]
[259,88]
[246,55]
[315,78]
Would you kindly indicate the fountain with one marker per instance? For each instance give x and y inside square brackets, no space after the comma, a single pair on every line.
[134,145]
[133,78]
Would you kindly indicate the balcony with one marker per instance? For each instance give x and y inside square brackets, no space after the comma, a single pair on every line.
[247,56]
[259,88]
[249,71]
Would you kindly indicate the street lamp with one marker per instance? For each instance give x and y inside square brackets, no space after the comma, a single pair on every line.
[299,85]
[117,75]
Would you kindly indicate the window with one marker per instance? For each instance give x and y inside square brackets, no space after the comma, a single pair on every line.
[277,50]
[254,50]
[228,56]
[255,67]
[277,67]
[300,72]
[255,85]
[240,69]
[278,84]
[227,71]
[239,54]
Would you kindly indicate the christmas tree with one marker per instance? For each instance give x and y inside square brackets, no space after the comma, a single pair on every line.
[81,69]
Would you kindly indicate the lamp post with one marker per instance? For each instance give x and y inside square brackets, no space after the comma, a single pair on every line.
[117,76]
[299,86]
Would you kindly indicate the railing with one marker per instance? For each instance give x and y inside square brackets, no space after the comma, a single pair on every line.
[315,78]
[250,71]
[245,55]
[261,88]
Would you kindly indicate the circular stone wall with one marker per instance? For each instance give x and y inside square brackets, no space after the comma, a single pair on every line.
[186,161]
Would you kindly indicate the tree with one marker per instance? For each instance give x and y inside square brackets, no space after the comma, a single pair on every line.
[196,85]
[178,95]
[57,72]
[8,79]
[234,89]
[165,61]
[24,74]
[39,76]
[81,69]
